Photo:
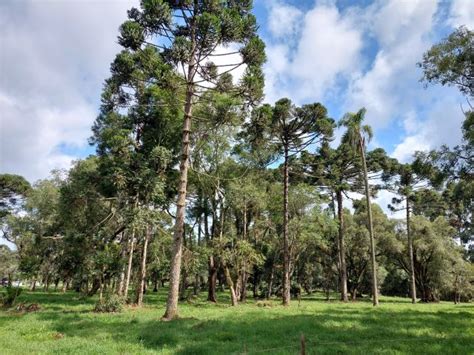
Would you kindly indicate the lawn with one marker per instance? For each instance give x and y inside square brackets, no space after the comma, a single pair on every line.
[65,324]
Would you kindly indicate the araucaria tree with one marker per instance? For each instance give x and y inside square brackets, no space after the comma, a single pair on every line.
[191,36]
[288,130]
[404,182]
[356,136]
[336,171]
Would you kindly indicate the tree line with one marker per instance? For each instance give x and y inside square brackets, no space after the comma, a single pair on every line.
[198,185]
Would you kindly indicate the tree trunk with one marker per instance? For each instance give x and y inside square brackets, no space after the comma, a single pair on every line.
[33,285]
[129,266]
[286,246]
[141,279]
[65,285]
[101,284]
[375,297]
[121,284]
[410,255]
[342,248]
[212,280]
[270,283]
[182,287]
[244,274]
[173,295]
[230,283]
[197,285]
[243,291]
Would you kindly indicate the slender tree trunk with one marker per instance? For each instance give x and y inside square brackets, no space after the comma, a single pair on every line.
[270,282]
[197,285]
[230,283]
[286,246]
[173,294]
[33,285]
[182,288]
[212,270]
[101,284]
[46,283]
[410,255]
[342,248]
[375,296]
[212,280]
[244,274]
[121,282]
[122,272]
[141,280]
[243,292]
[65,285]
[129,266]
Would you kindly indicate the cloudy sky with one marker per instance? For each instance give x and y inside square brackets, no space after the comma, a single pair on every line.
[347,54]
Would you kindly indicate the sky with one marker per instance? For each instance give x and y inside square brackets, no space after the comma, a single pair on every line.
[346,54]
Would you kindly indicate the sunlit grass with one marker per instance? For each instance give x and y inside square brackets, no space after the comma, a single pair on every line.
[66,324]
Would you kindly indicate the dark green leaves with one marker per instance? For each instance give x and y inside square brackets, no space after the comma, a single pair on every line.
[132,35]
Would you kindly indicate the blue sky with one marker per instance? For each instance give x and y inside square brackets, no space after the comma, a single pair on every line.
[54,57]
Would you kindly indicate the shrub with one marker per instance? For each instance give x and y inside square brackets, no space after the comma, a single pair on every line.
[111,303]
[10,296]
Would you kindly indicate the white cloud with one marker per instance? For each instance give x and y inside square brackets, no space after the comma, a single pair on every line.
[53,57]
[383,199]
[276,72]
[401,29]
[284,20]
[442,126]
[462,13]
[329,46]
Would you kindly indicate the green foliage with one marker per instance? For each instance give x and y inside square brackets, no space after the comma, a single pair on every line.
[451,61]
[12,189]
[10,295]
[111,303]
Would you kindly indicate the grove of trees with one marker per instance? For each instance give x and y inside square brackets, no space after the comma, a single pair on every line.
[198,186]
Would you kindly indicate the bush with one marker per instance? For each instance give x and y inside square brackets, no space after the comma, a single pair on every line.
[111,303]
[10,296]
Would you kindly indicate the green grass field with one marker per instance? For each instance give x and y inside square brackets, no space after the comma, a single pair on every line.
[66,325]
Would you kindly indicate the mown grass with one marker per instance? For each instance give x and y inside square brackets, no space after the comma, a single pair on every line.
[66,325]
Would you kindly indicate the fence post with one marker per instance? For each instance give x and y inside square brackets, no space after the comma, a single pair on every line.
[302,341]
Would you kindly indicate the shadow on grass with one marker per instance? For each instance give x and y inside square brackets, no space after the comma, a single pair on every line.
[353,331]
[219,329]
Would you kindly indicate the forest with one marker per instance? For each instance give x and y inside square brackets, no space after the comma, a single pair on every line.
[208,221]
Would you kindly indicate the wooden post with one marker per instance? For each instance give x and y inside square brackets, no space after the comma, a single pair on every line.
[302,341]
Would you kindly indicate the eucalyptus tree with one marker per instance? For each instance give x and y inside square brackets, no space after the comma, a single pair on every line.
[437,256]
[247,202]
[8,263]
[287,130]
[450,62]
[37,232]
[451,171]
[13,190]
[190,35]
[356,136]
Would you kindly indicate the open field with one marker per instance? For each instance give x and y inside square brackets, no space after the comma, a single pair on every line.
[65,324]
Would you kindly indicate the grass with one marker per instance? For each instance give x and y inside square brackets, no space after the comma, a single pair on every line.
[66,325]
